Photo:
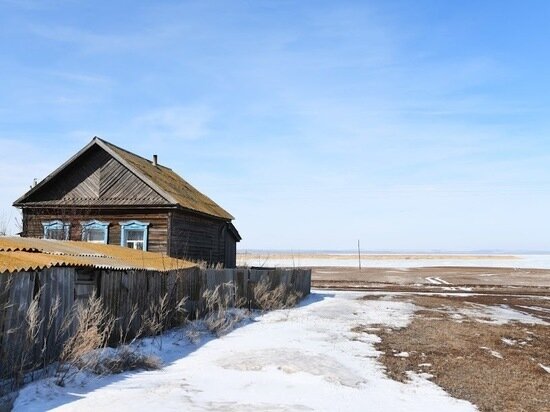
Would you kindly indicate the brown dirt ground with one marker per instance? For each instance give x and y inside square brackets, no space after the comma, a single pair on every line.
[458,353]
[455,276]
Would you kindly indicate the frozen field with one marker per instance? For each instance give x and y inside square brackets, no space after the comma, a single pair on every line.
[276,259]
[303,359]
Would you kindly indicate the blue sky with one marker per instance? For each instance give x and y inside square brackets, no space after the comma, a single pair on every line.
[414,125]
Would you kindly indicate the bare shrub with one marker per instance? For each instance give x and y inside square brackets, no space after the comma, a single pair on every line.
[92,326]
[267,298]
[159,316]
[223,310]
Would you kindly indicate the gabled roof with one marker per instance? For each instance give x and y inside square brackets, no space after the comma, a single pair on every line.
[161,179]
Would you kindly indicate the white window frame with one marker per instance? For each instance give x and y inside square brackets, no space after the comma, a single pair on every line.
[56,225]
[95,225]
[134,225]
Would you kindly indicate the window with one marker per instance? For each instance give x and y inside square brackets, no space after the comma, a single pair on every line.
[95,231]
[134,234]
[56,229]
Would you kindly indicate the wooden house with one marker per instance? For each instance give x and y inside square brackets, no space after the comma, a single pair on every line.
[105,194]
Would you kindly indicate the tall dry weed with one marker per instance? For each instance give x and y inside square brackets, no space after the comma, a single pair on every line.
[223,309]
[267,298]
[92,325]
[161,315]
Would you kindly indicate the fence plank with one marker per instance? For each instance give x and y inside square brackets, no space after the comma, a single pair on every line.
[121,293]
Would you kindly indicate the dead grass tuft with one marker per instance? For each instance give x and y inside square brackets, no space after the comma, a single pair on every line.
[89,329]
[126,358]
[268,298]
[223,310]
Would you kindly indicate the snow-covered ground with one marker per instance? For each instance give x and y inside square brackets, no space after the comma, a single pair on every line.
[303,359]
[519,261]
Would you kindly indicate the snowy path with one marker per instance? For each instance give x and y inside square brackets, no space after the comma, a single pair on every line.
[305,359]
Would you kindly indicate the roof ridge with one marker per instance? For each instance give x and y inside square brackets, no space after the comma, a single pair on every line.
[127,151]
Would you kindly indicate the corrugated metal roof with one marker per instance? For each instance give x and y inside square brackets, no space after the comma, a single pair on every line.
[24,254]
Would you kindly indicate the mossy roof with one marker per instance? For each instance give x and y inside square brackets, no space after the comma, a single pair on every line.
[163,180]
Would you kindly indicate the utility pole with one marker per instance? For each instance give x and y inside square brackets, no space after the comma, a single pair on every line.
[359,252]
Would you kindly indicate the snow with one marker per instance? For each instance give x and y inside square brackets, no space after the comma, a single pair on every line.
[519,261]
[492,352]
[545,368]
[498,315]
[303,359]
[402,355]
[438,281]
[509,342]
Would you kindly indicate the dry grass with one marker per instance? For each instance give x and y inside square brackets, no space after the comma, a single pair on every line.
[90,329]
[223,310]
[460,355]
[83,330]
[267,297]
[26,346]
[125,358]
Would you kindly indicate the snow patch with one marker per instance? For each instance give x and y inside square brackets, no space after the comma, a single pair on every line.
[402,355]
[509,342]
[492,352]
[498,315]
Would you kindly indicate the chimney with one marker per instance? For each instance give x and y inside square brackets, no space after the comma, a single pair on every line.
[155,160]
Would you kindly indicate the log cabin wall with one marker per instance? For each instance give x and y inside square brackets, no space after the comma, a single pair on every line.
[202,238]
[158,223]
[196,237]
[230,250]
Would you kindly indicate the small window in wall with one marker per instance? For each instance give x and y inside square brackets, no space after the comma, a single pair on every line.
[56,229]
[134,234]
[95,231]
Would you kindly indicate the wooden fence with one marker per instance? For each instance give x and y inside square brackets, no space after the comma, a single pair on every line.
[127,295]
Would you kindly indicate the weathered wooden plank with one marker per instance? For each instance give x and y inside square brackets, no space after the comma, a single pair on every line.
[121,292]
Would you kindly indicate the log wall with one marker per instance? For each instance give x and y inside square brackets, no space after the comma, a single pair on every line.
[158,223]
[177,233]
[201,238]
